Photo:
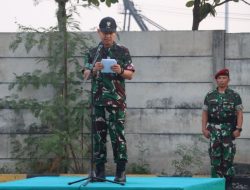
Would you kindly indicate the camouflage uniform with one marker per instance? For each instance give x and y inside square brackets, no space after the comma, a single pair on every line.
[222,121]
[110,103]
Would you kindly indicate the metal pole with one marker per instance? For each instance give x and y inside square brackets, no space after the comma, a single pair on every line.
[226,16]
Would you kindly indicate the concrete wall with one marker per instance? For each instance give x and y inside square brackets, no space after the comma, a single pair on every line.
[174,71]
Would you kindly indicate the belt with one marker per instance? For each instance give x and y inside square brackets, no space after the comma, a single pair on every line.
[218,125]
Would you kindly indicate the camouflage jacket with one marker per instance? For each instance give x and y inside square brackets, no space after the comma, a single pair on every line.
[222,107]
[109,88]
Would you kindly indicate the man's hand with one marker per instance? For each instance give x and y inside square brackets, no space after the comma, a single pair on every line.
[98,66]
[206,133]
[116,68]
[236,133]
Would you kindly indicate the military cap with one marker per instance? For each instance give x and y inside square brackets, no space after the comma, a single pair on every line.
[107,24]
[224,72]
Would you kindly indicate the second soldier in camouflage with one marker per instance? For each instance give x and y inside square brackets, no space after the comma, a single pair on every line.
[222,119]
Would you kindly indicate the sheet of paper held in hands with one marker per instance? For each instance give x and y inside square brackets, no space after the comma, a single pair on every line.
[108,63]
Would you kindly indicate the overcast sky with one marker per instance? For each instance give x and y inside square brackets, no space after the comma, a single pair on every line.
[170,14]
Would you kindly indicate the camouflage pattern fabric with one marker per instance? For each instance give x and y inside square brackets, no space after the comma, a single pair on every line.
[110,103]
[221,150]
[222,107]
[113,119]
[109,88]
[222,118]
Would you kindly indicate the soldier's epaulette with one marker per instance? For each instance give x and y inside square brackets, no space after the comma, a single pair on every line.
[121,46]
[210,92]
[231,91]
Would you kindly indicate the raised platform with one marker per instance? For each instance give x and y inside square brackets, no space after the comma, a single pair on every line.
[133,183]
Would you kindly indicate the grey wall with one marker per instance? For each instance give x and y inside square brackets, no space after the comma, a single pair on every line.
[174,71]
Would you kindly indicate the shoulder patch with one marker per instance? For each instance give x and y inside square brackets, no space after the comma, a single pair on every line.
[210,92]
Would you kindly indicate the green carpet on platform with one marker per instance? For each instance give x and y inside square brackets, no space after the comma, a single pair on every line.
[133,183]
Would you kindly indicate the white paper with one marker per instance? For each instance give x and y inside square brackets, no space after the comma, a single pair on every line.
[108,63]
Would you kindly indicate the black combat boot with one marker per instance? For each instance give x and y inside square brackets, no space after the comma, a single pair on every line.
[100,172]
[120,175]
[229,185]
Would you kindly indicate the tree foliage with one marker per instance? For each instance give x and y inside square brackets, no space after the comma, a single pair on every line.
[189,158]
[61,118]
[89,2]
[202,8]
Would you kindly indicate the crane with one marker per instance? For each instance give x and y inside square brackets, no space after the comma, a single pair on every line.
[129,9]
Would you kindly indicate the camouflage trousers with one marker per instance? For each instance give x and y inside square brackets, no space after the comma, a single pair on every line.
[221,150]
[109,119]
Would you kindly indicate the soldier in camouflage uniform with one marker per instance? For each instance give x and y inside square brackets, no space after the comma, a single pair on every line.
[109,97]
[222,119]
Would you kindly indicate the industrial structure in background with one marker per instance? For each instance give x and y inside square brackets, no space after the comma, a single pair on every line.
[129,9]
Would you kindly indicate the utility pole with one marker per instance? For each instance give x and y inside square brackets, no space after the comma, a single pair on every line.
[226,16]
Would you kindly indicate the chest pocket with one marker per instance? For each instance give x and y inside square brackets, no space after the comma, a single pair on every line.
[228,106]
[213,106]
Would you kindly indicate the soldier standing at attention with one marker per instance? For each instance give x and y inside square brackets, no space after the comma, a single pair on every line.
[222,119]
[109,97]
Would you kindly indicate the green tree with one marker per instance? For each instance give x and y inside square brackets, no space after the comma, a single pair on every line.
[57,138]
[201,9]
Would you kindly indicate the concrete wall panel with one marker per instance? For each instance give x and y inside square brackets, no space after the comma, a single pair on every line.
[160,121]
[29,92]
[166,95]
[163,147]
[242,150]
[8,38]
[170,121]
[244,92]
[239,71]
[12,122]
[10,67]
[175,43]
[5,146]
[172,69]
[238,46]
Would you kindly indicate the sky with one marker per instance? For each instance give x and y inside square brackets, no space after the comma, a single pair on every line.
[170,14]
